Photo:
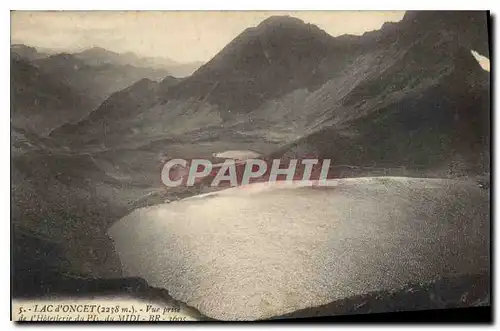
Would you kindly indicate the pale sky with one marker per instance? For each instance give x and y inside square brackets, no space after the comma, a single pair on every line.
[181,36]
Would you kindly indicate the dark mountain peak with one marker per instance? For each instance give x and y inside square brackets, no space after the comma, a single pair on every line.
[65,56]
[96,50]
[443,16]
[145,81]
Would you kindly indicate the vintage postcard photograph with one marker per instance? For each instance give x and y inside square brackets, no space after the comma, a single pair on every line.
[171,166]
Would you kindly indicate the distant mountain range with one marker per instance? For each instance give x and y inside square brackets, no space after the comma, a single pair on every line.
[409,98]
[99,55]
[410,94]
[88,78]
[424,103]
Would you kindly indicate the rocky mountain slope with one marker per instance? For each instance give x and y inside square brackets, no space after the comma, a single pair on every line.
[409,96]
[20,51]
